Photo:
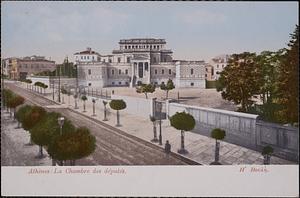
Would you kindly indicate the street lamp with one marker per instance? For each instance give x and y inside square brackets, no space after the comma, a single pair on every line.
[61,123]
[94,101]
[105,103]
[59,83]
[159,106]
[76,89]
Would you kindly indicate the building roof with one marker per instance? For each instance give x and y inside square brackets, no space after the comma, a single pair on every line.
[88,51]
[142,41]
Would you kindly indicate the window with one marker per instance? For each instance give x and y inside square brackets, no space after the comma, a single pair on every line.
[154,59]
[119,71]
[120,83]
[112,72]
[81,57]
[158,47]
[205,75]
[90,84]
[104,60]
[125,46]
[217,66]
[126,83]
[89,72]
[192,84]
[192,71]
[162,71]
[155,71]
[146,66]
[170,71]
[154,46]
[119,60]
[128,59]
[126,71]
[113,83]
[88,57]
[93,57]
[84,57]
[129,47]
[109,60]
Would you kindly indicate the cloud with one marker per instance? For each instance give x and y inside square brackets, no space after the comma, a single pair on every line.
[202,17]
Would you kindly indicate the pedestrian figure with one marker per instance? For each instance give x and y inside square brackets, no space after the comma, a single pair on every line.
[167,148]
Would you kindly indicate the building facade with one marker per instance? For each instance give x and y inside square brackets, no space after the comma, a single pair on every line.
[218,63]
[138,61]
[20,68]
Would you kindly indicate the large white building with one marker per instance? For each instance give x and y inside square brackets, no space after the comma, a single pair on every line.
[138,61]
[218,63]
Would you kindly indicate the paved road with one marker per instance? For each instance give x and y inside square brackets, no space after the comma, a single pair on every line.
[113,148]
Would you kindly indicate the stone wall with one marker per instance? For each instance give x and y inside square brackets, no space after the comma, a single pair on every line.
[243,129]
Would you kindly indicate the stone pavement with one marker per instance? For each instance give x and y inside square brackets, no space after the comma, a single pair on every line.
[200,148]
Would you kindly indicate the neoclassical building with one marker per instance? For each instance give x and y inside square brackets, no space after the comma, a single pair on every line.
[138,61]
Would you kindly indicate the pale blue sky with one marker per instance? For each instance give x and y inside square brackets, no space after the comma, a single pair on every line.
[193,30]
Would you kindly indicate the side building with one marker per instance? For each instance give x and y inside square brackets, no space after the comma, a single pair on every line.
[138,61]
[218,63]
[20,68]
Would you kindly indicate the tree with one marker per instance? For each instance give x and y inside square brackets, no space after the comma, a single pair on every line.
[288,80]
[267,152]
[32,117]
[145,88]
[38,84]
[83,98]
[238,81]
[73,146]
[170,85]
[51,128]
[20,115]
[184,122]
[153,120]
[8,95]
[117,105]
[14,102]
[28,81]
[217,134]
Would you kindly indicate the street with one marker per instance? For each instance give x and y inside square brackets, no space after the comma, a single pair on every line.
[112,148]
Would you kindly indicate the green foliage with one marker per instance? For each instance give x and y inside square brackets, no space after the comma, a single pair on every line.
[84,98]
[15,101]
[288,80]
[44,73]
[267,150]
[167,87]
[20,115]
[218,134]
[238,80]
[145,88]
[32,117]
[71,146]
[7,96]
[210,84]
[28,81]
[117,104]
[183,121]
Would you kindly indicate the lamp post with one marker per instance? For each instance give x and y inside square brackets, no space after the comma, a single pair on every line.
[59,84]
[61,123]
[104,103]
[159,105]
[76,89]
[94,101]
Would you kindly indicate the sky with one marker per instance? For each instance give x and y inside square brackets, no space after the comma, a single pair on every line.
[193,30]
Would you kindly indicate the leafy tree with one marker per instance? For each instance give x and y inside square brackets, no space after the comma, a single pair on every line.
[83,98]
[184,122]
[170,85]
[32,117]
[28,81]
[288,80]
[20,115]
[7,96]
[14,102]
[153,120]
[145,88]
[117,105]
[238,81]
[217,134]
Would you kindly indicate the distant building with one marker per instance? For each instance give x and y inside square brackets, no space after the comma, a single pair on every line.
[218,63]
[138,61]
[20,68]
[209,72]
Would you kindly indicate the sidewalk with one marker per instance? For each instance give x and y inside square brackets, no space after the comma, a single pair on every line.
[201,148]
